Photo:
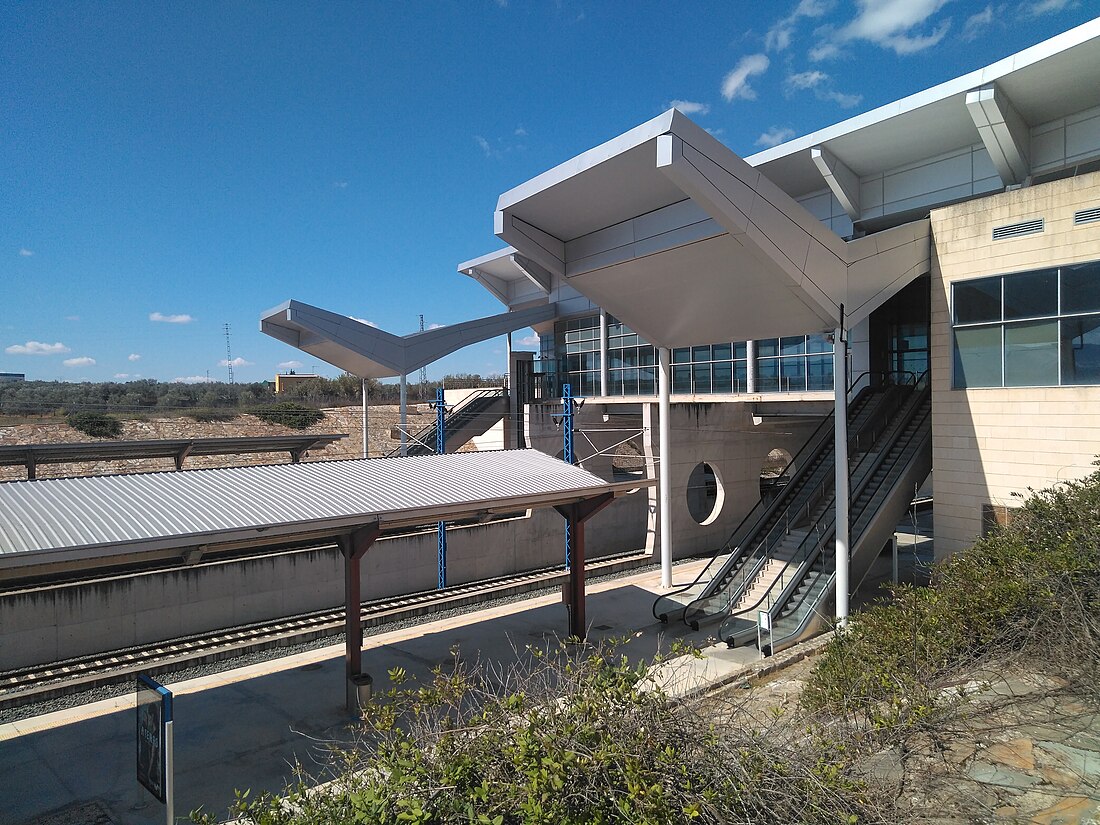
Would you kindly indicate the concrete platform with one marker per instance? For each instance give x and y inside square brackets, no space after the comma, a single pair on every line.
[247,728]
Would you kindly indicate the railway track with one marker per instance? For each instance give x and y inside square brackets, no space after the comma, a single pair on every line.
[35,684]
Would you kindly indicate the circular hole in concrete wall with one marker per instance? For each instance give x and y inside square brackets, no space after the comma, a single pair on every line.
[704,493]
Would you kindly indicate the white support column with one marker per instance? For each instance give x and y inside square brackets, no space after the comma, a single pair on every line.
[404,414]
[366,446]
[840,435]
[605,381]
[664,389]
[750,366]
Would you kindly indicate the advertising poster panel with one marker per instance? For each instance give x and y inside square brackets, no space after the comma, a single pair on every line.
[154,712]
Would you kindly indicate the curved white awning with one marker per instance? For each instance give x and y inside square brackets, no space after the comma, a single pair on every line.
[672,232]
[370,352]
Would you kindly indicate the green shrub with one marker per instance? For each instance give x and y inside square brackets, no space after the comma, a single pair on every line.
[208,415]
[1030,589]
[97,425]
[289,414]
[566,738]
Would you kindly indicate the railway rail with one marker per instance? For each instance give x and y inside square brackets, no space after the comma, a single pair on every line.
[25,686]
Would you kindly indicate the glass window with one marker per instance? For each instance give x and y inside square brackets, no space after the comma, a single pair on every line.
[818,343]
[700,353]
[1031,354]
[1031,294]
[977,301]
[647,381]
[792,373]
[723,376]
[767,347]
[700,374]
[681,355]
[1081,288]
[978,357]
[819,372]
[792,346]
[681,380]
[1080,349]
[767,375]
[721,352]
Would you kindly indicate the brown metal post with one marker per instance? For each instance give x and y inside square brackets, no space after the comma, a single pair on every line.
[574,595]
[352,547]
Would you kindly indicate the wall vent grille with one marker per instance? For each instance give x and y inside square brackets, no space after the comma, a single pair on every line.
[1086,216]
[1015,230]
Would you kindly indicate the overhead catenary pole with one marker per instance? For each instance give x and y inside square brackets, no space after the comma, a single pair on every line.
[840,437]
[366,445]
[441,448]
[567,453]
[404,414]
[664,511]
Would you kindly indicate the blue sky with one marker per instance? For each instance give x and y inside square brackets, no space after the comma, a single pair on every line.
[170,168]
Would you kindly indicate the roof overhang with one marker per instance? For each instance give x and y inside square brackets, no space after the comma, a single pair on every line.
[672,232]
[90,521]
[370,352]
[512,278]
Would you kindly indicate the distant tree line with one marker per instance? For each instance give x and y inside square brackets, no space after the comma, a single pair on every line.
[145,396]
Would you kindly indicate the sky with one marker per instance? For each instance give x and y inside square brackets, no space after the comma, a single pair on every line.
[169,169]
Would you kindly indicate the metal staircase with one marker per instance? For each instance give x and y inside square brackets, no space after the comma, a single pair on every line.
[475,415]
[801,597]
[773,527]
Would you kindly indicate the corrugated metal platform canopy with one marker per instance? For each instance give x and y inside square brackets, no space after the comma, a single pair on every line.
[162,514]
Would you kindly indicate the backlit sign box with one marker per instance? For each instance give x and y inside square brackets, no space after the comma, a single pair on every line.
[154,713]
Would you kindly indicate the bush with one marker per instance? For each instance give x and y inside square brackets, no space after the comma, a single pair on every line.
[97,425]
[1031,589]
[566,738]
[206,416]
[289,414]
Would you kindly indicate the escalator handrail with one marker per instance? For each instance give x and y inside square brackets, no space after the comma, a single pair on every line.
[424,434]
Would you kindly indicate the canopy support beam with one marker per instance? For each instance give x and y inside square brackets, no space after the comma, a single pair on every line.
[353,546]
[573,595]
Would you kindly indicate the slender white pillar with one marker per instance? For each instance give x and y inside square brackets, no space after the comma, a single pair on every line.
[605,382]
[366,446]
[750,366]
[664,389]
[840,435]
[404,414]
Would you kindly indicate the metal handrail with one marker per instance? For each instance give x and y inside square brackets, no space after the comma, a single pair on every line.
[425,435]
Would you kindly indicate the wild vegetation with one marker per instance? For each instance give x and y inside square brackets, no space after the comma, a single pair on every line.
[289,414]
[95,424]
[37,398]
[585,735]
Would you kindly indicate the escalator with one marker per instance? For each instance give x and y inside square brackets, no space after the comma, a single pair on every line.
[774,530]
[801,600]
[475,415]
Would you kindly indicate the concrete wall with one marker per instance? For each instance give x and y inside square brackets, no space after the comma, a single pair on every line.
[990,445]
[66,620]
[723,435]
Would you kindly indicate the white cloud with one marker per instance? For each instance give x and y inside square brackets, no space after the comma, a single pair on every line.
[520,132]
[891,24]
[1037,8]
[193,379]
[364,321]
[736,83]
[170,319]
[434,326]
[26,253]
[82,361]
[340,184]
[780,35]
[689,107]
[133,356]
[715,132]
[290,365]
[37,348]
[236,362]
[121,375]
[844,101]
[975,23]
[806,80]
[484,144]
[529,340]
[72,317]
[774,136]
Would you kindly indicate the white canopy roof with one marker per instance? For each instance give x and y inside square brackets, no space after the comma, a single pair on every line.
[370,352]
[99,517]
[672,232]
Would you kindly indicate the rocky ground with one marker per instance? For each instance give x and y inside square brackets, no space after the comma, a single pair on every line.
[347,420]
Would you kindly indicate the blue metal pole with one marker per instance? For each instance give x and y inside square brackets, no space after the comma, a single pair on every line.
[441,448]
[567,452]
